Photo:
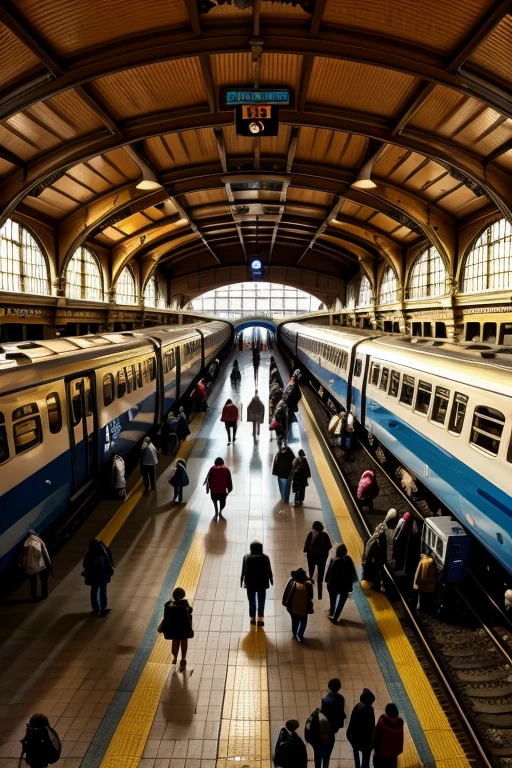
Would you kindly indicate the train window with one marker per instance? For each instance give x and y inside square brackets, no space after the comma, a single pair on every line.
[25,410]
[440,407]
[129,379]
[54,413]
[423,397]
[121,383]
[344,359]
[487,429]
[374,378]
[472,331]
[108,389]
[27,434]
[140,382]
[407,393]
[358,367]
[134,376]
[152,368]
[439,547]
[395,384]
[384,379]
[4,445]
[76,402]
[506,333]
[490,333]
[88,401]
[458,413]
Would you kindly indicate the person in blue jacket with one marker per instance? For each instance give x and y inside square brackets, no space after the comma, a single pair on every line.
[179,480]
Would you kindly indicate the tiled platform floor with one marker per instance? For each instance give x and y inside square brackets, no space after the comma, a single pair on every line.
[241,683]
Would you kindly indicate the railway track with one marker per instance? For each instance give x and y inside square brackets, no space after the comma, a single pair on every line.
[468,657]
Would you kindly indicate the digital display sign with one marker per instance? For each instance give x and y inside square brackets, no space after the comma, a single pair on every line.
[239,97]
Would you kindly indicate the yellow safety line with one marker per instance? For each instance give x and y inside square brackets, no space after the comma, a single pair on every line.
[116,522]
[442,741]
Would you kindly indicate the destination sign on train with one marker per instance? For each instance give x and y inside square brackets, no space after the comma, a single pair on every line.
[237,97]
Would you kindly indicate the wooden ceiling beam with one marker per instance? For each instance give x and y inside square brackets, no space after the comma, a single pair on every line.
[316,19]
[305,77]
[193,15]
[184,214]
[99,111]
[10,157]
[480,32]
[498,152]
[206,70]
[20,28]
[221,148]
[323,226]
[292,147]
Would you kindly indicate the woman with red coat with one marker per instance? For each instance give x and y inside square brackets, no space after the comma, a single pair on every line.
[230,419]
[219,484]
[388,738]
[367,490]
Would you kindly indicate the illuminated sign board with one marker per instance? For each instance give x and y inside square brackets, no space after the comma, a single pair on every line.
[239,97]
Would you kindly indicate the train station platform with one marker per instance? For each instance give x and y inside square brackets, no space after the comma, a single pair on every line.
[108,685]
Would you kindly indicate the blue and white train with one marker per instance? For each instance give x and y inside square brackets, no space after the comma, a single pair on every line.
[444,410]
[68,405]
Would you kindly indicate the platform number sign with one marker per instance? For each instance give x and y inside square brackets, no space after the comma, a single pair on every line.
[256,111]
[256,269]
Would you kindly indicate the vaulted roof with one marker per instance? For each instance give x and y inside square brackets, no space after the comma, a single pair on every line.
[94,93]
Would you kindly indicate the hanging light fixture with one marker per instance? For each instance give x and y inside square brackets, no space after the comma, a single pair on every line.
[364,177]
[149,180]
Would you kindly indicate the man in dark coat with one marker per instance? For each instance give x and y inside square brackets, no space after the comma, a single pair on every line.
[183,427]
[316,548]
[292,393]
[282,468]
[333,707]
[340,577]
[98,569]
[360,729]
[176,625]
[256,578]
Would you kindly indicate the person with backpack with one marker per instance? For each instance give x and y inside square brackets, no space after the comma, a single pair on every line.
[367,489]
[316,548]
[290,750]
[298,601]
[256,414]
[388,738]
[300,475]
[41,745]
[256,578]
[176,625]
[148,462]
[179,480]
[98,569]
[340,577]
[219,483]
[333,708]
[35,560]
[317,733]
[360,729]
[230,418]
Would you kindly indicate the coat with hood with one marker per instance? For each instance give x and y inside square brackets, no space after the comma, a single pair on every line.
[219,479]
[425,579]
[367,488]
[389,526]
[34,556]
[256,573]
[292,394]
[283,461]
[148,453]
[374,555]
[256,411]
[298,594]
[180,476]
[98,565]
[183,427]
[300,473]
[388,737]
[362,722]
[229,413]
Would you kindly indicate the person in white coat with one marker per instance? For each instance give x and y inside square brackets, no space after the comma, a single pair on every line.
[148,462]
[34,559]
[256,414]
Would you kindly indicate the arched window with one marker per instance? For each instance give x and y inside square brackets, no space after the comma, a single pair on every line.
[150,292]
[351,296]
[125,288]
[388,287]
[83,276]
[23,266]
[428,275]
[365,293]
[488,266]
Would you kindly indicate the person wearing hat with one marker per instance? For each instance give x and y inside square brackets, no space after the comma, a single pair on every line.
[290,751]
[360,729]
[298,601]
[183,427]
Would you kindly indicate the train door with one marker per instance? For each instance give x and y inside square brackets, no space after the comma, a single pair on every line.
[83,435]
[364,384]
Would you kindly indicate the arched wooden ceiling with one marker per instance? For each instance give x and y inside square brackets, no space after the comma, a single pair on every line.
[95,91]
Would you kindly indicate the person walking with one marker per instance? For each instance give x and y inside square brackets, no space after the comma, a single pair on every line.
[35,560]
[300,475]
[230,419]
[256,578]
[256,414]
[148,462]
[367,489]
[183,427]
[179,480]
[388,738]
[340,577]
[290,750]
[316,548]
[333,708]
[282,468]
[360,729]
[298,601]
[169,434]
[41,745]
[176,625]
[98,569]
[219,484]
